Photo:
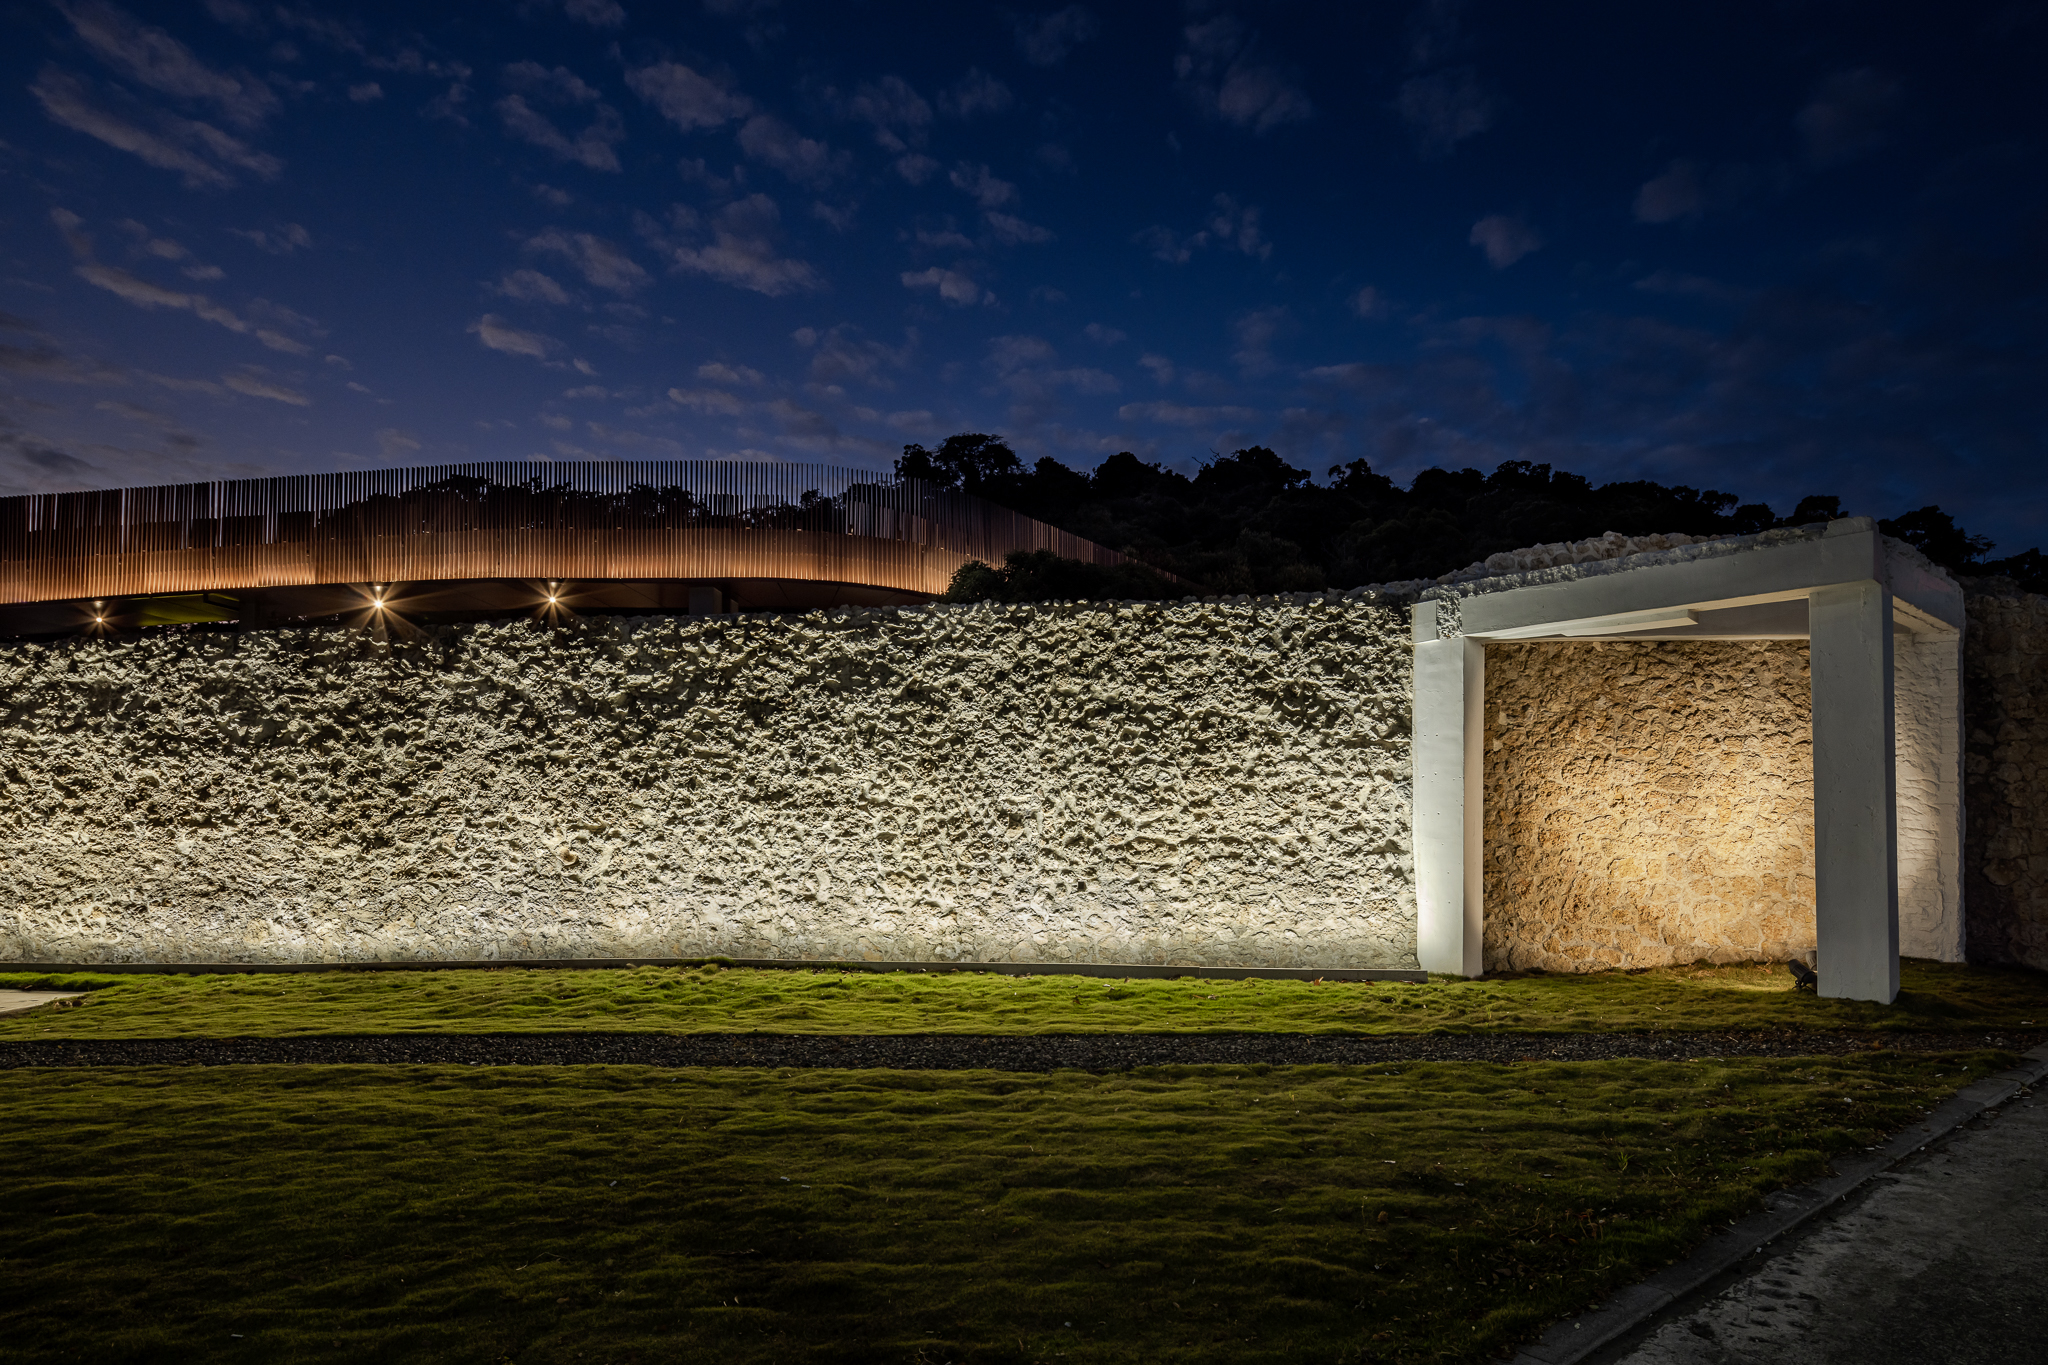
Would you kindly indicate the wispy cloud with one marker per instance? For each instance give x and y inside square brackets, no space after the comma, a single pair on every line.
[1675,194]
[1011,230]
[500,335]
[1221,70]
[1046,39]
[991,193]
[596,13]
[718,372]
[1256,332]
[1369,302]
[200,152]
[842,355]
[900,117]
[269,323]
[1231,225]
[1846,118]
[257,383]
[1184,415]
[977,92]
[711,402]
[42,360]
[1505,239]
[954,286]
[153,58]
[394,444]
[602,264]
[806,161]
[531,286]
[148,245]
[278,241]
[987,190]
[743,249]
[1444,108]
[686,97]
[1442,104]
[593,147]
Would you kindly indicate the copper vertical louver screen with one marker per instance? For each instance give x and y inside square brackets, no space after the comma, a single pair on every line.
[682,519]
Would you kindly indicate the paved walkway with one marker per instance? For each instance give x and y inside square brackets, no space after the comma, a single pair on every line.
[1947,1260]
[20,1002]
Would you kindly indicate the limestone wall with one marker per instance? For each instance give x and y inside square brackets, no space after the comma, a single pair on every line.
[1647,804]
[1220,784]
[2005,720]
[1927,725]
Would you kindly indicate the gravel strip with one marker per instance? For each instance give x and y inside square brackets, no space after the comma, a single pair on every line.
[959,1052]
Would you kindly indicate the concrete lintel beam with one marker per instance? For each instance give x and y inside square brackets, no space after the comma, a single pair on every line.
[1850,552]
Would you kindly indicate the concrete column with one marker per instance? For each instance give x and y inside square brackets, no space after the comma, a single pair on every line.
[1450,701]
[1855,815]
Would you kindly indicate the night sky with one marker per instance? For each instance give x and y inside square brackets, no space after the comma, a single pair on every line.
[1774,249]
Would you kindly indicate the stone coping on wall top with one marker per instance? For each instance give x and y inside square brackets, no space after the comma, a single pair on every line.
[1140,970]
[1720,547]
[1371,595]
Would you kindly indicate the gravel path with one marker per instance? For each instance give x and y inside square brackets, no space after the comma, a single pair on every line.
[955,1052]
[1945,1258]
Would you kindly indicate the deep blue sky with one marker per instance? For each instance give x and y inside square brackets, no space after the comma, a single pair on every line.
[1774,249]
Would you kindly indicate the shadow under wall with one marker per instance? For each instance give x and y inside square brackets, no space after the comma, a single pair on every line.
[1647,803]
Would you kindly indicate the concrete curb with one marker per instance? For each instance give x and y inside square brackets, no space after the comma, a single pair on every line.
[25,1002]
[1578,1337]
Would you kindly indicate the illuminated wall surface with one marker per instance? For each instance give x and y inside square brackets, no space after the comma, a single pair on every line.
[1652,803]
[1221,783]
[1647,804]
[2005,768]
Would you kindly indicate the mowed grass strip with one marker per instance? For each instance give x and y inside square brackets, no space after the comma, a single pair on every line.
[709,999]
[1408,1213]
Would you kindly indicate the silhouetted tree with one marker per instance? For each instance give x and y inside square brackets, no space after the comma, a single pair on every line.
[969,460]
[1934,533]
[1251,522]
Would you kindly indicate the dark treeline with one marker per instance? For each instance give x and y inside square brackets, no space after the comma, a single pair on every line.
[1250,522]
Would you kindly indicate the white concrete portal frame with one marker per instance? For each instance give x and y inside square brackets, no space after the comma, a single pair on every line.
[1884,628]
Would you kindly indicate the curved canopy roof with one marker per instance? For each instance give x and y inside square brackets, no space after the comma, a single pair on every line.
[772,535]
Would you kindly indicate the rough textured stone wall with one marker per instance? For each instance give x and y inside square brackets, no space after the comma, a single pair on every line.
[1219,783]
[2005,720]
[1647,804]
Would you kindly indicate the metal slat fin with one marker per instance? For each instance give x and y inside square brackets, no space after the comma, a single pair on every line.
[617,520]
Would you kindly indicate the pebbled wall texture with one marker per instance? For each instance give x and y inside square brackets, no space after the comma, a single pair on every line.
[1200,783]
[2005,766]
[1647,803]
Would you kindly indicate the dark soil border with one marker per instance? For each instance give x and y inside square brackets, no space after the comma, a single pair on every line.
[961,1052]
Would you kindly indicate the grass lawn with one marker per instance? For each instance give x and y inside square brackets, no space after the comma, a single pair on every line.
[714,1000]
[1398,1213]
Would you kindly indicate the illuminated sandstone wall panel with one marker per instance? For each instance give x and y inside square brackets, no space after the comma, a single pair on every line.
[2005,721]
[1927,725]
[1208,784]
[1647,804]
